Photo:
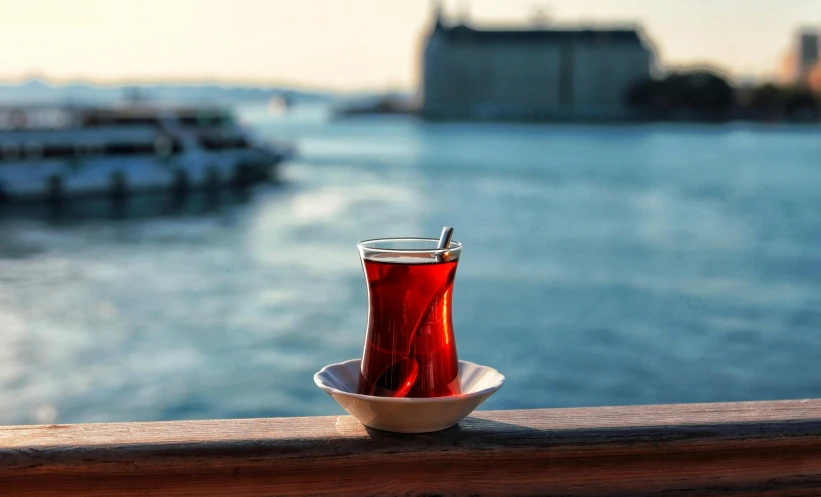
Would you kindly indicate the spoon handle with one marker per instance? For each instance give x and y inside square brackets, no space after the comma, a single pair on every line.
[444,243]
[444,238]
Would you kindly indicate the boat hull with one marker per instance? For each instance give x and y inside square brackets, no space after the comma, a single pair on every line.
[117,176]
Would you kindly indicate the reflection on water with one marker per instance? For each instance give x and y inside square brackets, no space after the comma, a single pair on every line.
[81,210]
[601,266]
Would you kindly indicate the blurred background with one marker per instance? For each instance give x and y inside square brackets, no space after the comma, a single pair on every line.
[636,184]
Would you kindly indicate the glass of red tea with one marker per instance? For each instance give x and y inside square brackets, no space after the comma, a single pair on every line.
[410,349]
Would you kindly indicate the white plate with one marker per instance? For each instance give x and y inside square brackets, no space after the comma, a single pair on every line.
[404,415]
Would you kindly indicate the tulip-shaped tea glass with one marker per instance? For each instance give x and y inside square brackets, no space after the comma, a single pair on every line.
[409,346]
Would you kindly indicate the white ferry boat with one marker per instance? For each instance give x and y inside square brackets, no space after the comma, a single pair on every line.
[60,152]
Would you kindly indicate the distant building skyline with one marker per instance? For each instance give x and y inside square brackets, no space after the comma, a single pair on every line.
[362,44]
[802,62]
[537,74]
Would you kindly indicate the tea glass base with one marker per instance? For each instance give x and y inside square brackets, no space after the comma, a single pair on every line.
[409,415]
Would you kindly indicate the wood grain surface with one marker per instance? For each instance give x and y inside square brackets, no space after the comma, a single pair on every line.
[738,449]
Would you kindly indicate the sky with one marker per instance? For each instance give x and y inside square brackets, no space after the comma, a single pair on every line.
[351,44]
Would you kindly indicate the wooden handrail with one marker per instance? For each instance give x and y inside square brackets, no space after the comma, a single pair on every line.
[739,449]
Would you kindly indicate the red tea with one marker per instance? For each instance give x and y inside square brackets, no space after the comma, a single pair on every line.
[409,347]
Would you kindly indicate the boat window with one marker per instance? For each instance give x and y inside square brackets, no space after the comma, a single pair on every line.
[136,121]
[223,142]
[129,149]
[32,151]
[166,145]
[10,151]
[87,149]
[56,151]
[100,120]
[204,120]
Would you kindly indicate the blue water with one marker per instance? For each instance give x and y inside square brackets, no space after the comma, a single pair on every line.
[602,266]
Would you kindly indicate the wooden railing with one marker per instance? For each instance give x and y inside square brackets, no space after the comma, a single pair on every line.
[738,449]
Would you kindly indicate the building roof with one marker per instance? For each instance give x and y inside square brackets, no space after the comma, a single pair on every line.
[463,33]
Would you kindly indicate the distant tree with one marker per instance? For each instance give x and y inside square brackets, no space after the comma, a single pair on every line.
[705,95]
[702,93]
[642,94]
[784,103]
[801,105]
[685,95]
[765,102]
[767,96]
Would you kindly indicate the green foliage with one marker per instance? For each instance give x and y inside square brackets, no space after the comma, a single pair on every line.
[691,95]
[707,96]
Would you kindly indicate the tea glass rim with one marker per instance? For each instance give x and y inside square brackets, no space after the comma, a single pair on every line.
[363,245]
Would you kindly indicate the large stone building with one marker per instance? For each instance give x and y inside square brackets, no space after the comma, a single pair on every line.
[530,74]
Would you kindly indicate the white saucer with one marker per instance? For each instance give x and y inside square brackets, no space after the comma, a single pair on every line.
[404,415]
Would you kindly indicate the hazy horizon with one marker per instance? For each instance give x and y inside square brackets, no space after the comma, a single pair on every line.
[363,45]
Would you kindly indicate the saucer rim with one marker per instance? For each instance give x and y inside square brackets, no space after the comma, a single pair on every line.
[408,400]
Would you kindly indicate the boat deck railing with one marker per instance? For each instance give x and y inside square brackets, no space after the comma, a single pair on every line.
[738,449]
